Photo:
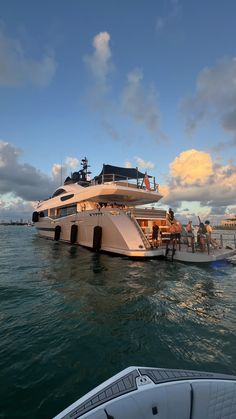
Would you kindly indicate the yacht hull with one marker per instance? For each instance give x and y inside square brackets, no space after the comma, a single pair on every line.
[120,233]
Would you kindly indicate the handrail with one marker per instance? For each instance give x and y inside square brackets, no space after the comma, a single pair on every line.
[140,231]
[105,178]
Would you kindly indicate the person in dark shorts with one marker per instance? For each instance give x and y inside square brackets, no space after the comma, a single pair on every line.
[155,230]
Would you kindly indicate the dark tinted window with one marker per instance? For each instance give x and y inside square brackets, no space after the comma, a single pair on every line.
[58,192]
[64,198]
[63,212]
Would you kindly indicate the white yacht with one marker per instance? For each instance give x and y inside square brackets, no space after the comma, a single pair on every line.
[146,393]
[114,212]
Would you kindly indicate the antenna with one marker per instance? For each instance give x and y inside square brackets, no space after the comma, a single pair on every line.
[61,172]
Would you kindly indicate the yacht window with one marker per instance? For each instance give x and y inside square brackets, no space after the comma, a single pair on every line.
[58,192]
[64,211]
[52,212]
[64,198]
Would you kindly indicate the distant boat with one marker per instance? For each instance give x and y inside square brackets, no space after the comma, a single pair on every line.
[148,393]
[107,214]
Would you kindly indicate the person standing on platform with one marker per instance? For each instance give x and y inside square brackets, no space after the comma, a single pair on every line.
[155,230]
[171,216]
[209,238]
[190,232]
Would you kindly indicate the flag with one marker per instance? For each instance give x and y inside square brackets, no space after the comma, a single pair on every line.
[146,181]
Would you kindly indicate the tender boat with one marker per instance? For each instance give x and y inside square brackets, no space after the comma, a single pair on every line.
[145,393]
[114,212]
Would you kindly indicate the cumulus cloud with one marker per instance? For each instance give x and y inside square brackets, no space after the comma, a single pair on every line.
[100,64]
[61,170]
[22,180]
[215,97]
[142,164]
[192,167]
[57,168]
[12,207]
[128,164]
[99,61]
[71,162]
[16,69]
[141,104]
[136,103]
[22,184]
[194,178]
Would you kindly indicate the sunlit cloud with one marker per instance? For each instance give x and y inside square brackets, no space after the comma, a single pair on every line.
[71,162]
[128,164]
[194,178]
[192,167]
[16,69]
[61,170]
[57,169]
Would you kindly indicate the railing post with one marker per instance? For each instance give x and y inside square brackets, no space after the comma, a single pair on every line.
[221,240]
[234,241]
[208,246]
[192,245]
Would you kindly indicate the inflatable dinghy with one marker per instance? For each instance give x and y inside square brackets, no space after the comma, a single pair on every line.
[149,393]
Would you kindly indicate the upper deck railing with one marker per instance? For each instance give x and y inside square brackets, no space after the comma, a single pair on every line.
[147,183]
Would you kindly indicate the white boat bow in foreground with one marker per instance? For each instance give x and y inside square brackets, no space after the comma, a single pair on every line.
[148,393]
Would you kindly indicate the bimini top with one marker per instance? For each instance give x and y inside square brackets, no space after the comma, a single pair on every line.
[120,172]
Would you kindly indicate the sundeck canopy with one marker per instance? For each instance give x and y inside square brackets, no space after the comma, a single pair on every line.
[121,172]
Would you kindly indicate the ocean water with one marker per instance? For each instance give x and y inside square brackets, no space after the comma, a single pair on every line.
[71,318]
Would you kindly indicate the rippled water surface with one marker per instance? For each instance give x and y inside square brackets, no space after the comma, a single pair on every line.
[71,318]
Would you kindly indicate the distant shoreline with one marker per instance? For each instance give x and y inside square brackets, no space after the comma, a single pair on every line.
[15,223]
[224,227]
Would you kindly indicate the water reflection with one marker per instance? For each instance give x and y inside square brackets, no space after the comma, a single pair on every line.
[180,311]
[68,312]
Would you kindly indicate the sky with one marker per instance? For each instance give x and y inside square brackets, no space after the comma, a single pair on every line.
[136,83]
